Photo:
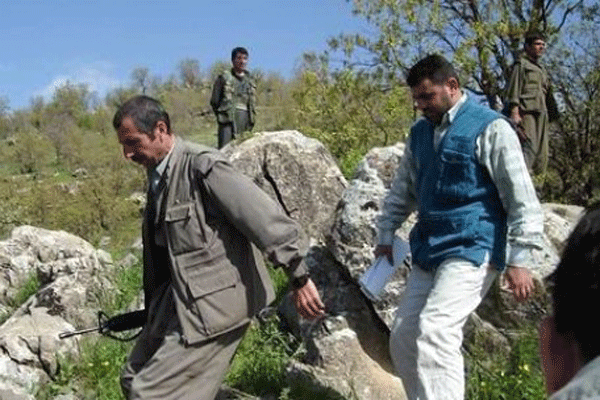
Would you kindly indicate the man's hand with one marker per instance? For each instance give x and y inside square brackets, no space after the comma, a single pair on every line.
[384,250]
[519,282]
[307,301]
[515,115]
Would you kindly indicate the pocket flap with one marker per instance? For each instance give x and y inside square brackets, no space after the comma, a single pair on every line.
[209,281]
[178,213]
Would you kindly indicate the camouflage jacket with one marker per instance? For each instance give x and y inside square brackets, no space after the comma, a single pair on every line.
[230,91]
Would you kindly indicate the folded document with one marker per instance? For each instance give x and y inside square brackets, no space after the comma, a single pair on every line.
[374,279]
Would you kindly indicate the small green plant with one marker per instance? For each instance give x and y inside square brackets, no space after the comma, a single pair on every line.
[280,282]
[349,162]
[128,283]
[518,377]
[27,289]
[259,365]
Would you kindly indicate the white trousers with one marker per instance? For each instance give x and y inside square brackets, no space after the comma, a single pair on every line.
[427,334]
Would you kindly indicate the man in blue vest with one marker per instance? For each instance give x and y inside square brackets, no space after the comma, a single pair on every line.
[464,172]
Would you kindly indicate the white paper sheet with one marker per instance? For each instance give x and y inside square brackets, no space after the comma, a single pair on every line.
[379,273]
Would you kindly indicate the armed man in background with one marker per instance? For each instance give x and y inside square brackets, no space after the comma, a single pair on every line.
[203,279]
[233,99]
[464,172]
[531,105]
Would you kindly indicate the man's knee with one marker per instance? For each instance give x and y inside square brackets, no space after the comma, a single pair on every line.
[403,346]
[439,340]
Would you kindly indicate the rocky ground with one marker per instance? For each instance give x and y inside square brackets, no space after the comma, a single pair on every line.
[347,350]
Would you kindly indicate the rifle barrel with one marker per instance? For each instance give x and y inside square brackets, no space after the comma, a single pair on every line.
[68,334]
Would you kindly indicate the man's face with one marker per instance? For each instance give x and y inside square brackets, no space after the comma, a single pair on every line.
[146,150]
[434,99]
[536,49]
[559,356]
[240,62]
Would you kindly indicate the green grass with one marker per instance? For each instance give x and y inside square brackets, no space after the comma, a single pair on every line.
[518,377]
[94,375]
[128,283]
[259,365]
[27,289]
[280,282]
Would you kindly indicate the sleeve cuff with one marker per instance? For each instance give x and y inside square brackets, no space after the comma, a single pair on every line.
[386,238]
[519,256]
[300,270]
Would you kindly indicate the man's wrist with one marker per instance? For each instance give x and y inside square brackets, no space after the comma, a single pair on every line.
[299,281]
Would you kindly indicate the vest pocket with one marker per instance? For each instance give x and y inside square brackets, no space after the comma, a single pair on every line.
[185,232]
[450,231]
[457,177]
[217,295]
[531,102]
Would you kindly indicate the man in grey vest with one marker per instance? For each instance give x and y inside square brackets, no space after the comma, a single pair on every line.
[463,171]
[232,99]
[203,278]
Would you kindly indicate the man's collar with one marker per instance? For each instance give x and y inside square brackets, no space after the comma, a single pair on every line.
[451,113]
[240,74]
[529,58]
[162,165]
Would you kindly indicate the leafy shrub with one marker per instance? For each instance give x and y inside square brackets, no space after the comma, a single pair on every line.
[350,114]
[30,151]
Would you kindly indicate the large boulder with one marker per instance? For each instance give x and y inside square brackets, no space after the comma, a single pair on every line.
[73,277]
[296,171]
[347,350]
[354,232]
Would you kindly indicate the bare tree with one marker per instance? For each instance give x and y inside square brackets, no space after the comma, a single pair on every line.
[189,71]
[141,78]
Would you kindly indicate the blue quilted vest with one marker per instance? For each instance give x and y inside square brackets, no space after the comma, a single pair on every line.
[460,212]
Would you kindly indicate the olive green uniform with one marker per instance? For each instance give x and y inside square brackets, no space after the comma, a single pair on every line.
[529,89]
[232,101]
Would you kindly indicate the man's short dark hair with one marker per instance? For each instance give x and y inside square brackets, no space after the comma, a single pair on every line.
[145,113]
[240,50]
[531,37]
[433,67]
[577,286]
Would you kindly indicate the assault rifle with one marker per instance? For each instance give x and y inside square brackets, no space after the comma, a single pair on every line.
[118,323]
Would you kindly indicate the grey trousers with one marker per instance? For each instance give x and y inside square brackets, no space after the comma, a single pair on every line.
[227,132]
[166,368]
[535,149]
